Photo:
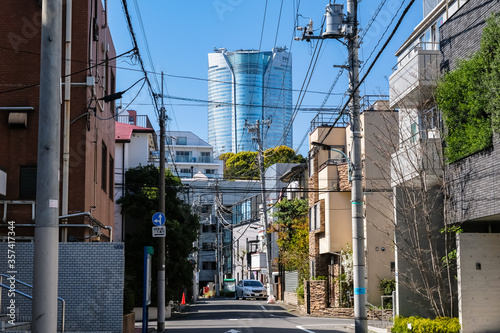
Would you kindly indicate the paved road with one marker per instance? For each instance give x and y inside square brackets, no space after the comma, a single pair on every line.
[248,316]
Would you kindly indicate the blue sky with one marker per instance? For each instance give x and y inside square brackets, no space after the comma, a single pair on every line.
[180,34]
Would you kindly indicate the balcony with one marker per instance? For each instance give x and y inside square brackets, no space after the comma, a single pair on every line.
[420,157]
[415,76]
[334,176]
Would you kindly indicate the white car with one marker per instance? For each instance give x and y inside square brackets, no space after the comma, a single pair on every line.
[250,289]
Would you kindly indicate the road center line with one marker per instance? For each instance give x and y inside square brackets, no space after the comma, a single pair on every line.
[303,329]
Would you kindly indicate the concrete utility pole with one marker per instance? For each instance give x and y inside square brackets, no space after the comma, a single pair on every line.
[161,240]
[357,198]
[46,252]
[218,244]
[255,130]
[333,30]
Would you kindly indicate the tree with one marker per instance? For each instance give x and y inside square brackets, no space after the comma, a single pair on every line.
[417,212]
[293,235]
[244,165]
[140,203]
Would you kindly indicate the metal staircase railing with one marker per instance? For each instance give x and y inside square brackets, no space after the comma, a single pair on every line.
[63,302]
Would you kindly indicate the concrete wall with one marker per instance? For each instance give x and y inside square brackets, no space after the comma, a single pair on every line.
[91,277]
[478,279]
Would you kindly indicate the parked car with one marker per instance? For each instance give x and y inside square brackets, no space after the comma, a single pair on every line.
[250,289]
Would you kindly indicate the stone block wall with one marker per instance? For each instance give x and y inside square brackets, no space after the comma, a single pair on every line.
[90,280]
[315,292]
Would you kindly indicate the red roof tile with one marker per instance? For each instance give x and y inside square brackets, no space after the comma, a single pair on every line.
[123,132]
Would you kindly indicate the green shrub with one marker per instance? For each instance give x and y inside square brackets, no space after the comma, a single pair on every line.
[425,325]
[300,293]
[387,286]
[320,278]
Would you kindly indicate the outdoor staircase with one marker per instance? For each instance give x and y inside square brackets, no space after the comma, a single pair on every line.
[22,325]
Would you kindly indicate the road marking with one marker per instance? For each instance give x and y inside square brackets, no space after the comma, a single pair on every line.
[303,329]
[263,308]
[271,315]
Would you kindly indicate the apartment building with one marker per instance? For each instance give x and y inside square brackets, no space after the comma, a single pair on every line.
[135,145]
[330,218]
[187,154]
[90,175]
[417,168]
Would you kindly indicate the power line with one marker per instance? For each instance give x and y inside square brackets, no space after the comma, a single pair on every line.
[136,48]
[72,74]
[370,68]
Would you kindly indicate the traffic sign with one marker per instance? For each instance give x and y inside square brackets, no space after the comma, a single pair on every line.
[158,219]
[159,231]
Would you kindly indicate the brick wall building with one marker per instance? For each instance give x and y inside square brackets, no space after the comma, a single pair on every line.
[91,170]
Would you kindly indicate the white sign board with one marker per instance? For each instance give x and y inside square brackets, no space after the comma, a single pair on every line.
[159,231]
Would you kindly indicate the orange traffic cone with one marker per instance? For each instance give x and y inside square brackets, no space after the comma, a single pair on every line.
[183,302]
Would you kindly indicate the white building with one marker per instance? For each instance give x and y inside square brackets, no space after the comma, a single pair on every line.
[187,154]
[134,146]
[417,165]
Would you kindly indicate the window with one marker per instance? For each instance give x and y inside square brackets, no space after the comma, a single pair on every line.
[185,170]
[111,177]
[414,132]
[314,217]
[183,156]
[104,167]
[209,228]
[205,157]
[208,266]
[210,171]
[27,182]
[208,247]
[181,140]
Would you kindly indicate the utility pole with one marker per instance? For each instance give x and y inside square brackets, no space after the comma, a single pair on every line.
[218,245]
[334,23]
[357,198]
[46,251]
[161,240]
[256,131]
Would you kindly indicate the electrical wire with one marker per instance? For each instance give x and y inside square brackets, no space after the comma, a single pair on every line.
[370,68]
[71,74]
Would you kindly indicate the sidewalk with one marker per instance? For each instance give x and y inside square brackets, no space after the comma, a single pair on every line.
[372,324]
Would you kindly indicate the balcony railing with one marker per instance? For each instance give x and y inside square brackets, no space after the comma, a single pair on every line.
[420,156]
[328,119]
[415,75]
[141,121]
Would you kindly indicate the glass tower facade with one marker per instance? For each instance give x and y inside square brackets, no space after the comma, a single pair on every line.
[245,86]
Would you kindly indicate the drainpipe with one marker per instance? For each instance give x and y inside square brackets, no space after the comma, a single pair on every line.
[67,116]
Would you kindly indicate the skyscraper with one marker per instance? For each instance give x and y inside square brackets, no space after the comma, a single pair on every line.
[246,86]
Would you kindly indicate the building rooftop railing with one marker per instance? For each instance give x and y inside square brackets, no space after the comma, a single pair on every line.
[138,120]
[329,119]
